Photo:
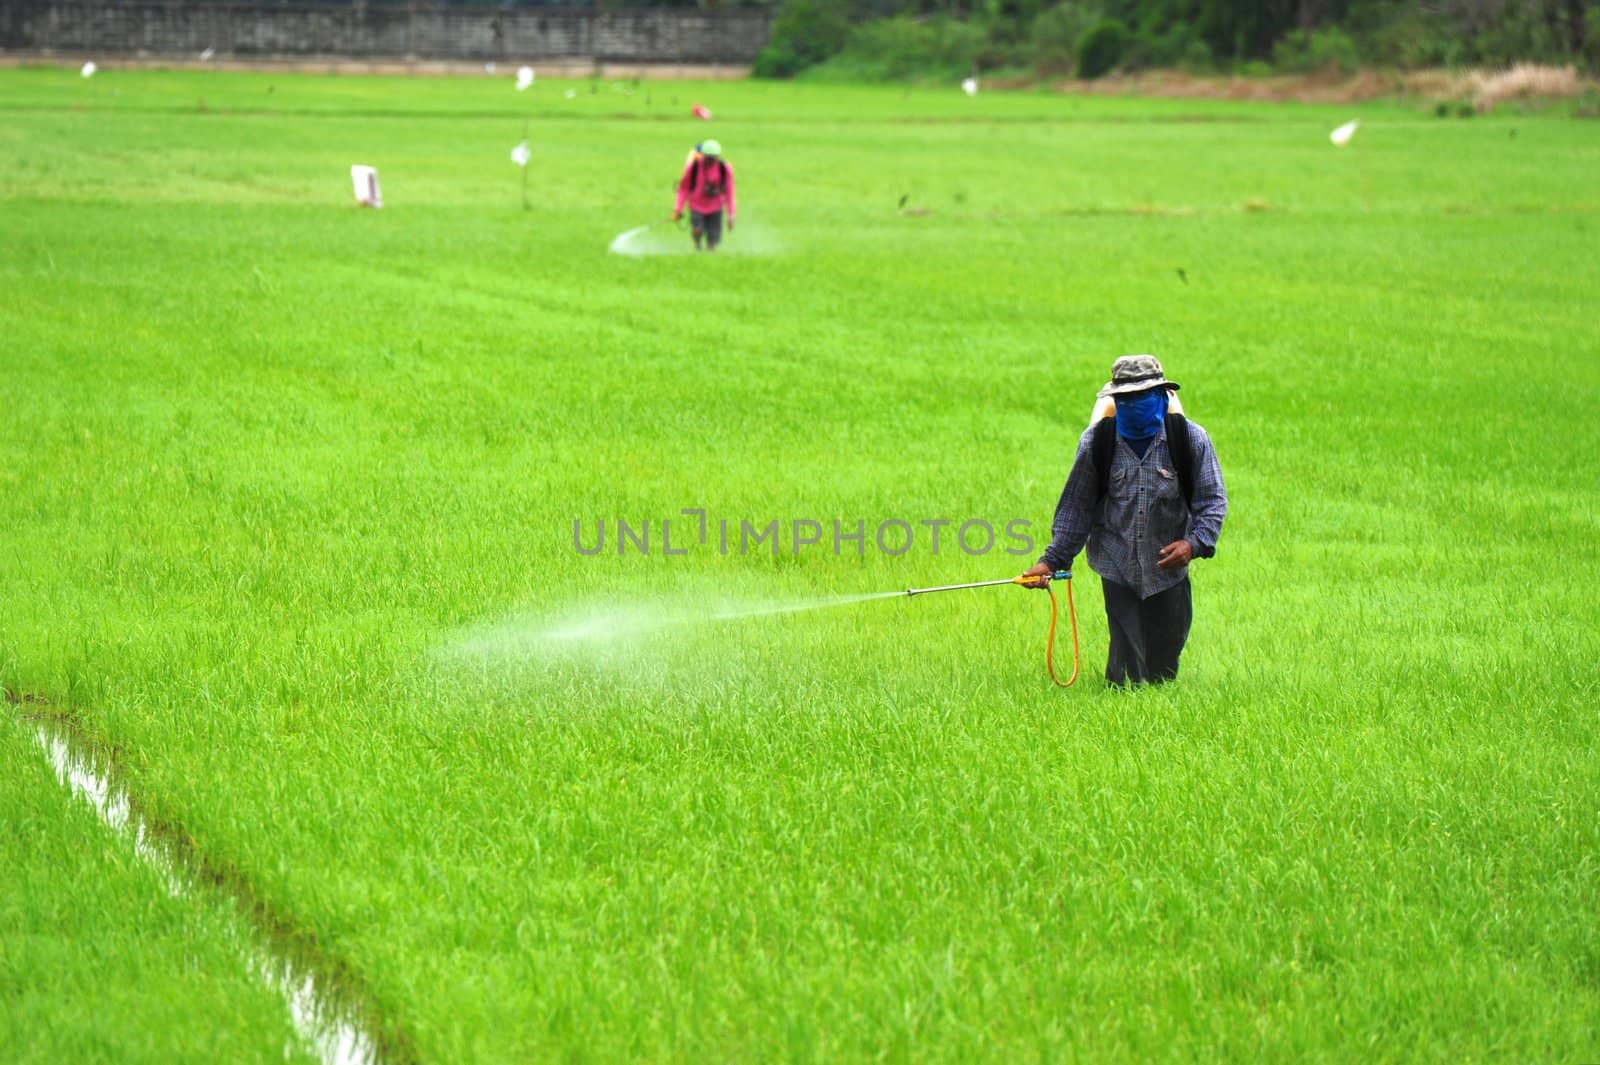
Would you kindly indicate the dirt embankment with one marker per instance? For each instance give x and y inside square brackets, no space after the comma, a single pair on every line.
[1483,88]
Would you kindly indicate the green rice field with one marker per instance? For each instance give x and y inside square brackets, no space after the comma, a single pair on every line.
[297,499]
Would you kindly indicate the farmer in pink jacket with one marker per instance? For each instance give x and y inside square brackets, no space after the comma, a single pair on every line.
[707,185]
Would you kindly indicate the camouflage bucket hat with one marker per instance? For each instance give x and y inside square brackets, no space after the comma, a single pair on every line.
[1136,373]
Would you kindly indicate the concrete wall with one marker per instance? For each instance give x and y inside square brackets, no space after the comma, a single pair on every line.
[242,30]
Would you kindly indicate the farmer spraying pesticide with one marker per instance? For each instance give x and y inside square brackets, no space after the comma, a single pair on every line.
[1146,495]
[707,188]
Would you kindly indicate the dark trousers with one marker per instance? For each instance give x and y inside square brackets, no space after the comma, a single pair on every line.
[1147,635]
[709,224]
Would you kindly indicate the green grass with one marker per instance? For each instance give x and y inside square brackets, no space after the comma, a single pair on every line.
[269,458]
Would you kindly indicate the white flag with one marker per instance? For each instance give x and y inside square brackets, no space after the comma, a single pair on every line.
[520,154]
[524,78]
[89,68]
[970,86]
[1341,136]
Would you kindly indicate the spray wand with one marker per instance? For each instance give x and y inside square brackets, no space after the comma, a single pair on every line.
[1043,581]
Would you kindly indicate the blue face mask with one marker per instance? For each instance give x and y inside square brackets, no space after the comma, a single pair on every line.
[1140,416]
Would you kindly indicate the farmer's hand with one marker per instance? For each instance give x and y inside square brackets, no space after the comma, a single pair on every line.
[1175,555]
[1037,576]
[730,225]
[677,216]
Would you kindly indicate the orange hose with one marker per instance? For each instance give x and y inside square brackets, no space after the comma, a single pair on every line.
[1050,640]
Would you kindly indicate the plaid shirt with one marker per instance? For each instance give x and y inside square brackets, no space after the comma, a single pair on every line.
[1141,512]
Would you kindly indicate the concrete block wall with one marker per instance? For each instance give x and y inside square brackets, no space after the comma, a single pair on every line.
[662,35]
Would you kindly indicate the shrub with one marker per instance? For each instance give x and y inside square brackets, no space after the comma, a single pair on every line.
[1197,57]
[777,60]
[805,33]
[1411,40]
[1059,27]
[906,49]
[1517,32]
[1008,21]
[1101,48]
[1175,46]
[1330,49]
[1055,33]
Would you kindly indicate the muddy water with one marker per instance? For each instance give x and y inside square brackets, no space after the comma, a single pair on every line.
[324,1023]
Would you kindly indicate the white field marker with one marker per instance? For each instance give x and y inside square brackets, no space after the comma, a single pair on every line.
[365,180]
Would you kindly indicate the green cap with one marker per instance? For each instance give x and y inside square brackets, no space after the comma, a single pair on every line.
[710,148]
